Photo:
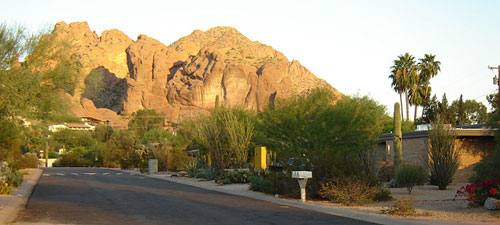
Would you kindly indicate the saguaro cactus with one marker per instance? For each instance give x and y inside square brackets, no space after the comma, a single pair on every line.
[398,137]
[216,107]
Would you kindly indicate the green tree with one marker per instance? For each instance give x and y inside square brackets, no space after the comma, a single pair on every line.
[493,101]
[69,139]
[103,133]
[330,139]
[430,110]
[156,135]
[469,112]
[145,120]
[10,140]
[123,146]
[445,111]
[32,88]
[460,110]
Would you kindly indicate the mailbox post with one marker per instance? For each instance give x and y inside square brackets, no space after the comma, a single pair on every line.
[302,177]
[152,166]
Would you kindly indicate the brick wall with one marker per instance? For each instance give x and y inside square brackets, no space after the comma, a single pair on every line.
[473,149]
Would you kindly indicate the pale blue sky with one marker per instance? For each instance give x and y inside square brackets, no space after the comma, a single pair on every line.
[350,44]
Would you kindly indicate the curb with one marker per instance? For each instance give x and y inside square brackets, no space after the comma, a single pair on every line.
[20,197]
[309,206]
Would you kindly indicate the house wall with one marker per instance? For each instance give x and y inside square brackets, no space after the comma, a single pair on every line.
[473,149]
[414,151]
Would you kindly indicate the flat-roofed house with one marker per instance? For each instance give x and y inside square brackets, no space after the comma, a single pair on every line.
[475,142]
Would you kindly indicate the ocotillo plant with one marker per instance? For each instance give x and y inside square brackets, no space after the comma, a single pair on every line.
[398,136]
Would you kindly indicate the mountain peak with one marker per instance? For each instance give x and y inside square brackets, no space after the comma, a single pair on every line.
[180,80]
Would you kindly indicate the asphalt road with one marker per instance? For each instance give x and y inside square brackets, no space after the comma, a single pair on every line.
[101,196]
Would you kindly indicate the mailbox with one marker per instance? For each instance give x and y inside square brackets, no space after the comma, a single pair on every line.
[302,174]
[302,177]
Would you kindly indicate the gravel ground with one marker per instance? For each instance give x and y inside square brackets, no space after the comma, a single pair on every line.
[433,205]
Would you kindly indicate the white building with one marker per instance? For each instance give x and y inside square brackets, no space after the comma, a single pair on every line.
[71,126]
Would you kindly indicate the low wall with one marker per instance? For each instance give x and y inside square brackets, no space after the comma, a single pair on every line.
[41,162]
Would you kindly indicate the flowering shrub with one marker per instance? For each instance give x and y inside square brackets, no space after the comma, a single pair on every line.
[481,190]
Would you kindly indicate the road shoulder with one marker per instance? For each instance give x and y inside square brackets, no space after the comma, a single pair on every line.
[10,205]
[244,192]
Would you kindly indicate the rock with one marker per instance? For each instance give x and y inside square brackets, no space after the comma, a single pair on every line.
[181,80]
[492,204]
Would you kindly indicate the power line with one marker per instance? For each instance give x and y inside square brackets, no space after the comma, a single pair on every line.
[487,93]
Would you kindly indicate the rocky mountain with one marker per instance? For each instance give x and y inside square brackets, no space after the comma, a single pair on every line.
[119,76]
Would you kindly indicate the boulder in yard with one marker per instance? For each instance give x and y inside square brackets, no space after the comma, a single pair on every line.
[492,204]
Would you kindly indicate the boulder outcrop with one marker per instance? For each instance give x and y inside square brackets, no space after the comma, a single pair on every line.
[180,80]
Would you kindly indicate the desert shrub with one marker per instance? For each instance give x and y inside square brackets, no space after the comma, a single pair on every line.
[208,173]
[386,171]
[9,178]
[488,168]
[409,176]
[481,190]
[235,176]
[348,191]
[261,184]
[5,189]
[193,172]
[143,166]
[444,158]
[402,207]
[285,185]
[72,159]
[382,195]
[29,160]
[12,177]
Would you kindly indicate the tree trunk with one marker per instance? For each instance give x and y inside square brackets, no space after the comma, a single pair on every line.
[401,104]
[407,106]
[415,116]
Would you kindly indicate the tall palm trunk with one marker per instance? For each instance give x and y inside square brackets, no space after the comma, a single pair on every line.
[415,116]
[426,96]
[407,106]
[401,101]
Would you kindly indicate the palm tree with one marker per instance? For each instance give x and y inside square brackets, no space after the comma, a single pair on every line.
[429,68]
[403,70]
[396,83]
[417,94]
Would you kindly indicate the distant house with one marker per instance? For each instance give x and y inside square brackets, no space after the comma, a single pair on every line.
[475,142]
[71,126]
[93,120]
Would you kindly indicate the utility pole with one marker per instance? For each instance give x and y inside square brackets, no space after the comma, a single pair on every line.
[47,152]
[496,80]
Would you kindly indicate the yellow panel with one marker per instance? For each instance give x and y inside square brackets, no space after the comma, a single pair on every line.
[260,157]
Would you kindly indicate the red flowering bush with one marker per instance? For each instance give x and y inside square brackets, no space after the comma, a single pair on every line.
[481,190]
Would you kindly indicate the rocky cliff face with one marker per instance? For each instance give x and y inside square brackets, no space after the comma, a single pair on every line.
[121,76]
